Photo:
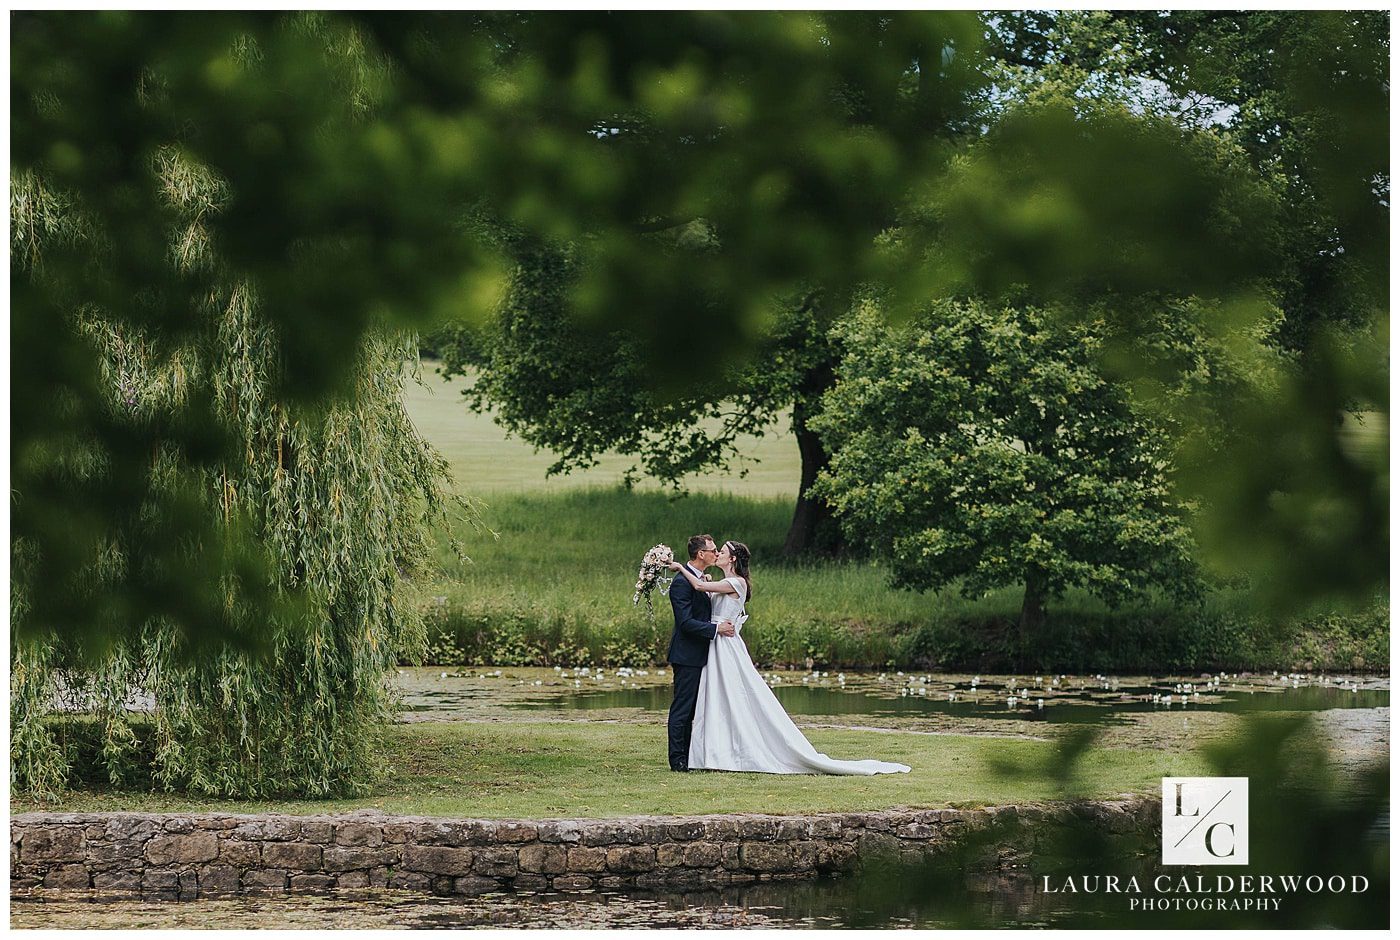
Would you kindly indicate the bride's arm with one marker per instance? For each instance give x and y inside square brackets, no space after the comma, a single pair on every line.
[709,587]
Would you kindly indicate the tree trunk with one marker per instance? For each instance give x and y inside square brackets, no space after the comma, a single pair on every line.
[814,529]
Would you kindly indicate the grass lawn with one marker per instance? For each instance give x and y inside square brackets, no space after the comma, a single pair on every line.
[558,770]
[484,461]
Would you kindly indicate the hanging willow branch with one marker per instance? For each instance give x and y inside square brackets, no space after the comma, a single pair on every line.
[340,500]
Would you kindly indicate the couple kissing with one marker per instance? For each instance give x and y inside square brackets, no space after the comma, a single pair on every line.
[723,714]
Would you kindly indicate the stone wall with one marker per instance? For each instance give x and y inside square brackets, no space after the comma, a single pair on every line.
[187,856]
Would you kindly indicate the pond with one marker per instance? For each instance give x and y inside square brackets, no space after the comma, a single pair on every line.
[819,904]
[965,701]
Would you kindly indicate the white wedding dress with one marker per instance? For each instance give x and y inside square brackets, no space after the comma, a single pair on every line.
[739,724]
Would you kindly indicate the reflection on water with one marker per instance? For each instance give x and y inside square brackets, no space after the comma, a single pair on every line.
[1004,899]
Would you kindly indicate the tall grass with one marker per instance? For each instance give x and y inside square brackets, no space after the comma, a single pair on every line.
[555,587]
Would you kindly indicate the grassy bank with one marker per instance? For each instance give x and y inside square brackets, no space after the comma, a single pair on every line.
[601,770]
[555,587]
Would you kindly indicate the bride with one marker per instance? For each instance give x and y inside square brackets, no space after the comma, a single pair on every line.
[739,724]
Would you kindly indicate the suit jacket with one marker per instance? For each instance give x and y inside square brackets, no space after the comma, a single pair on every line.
[690,642]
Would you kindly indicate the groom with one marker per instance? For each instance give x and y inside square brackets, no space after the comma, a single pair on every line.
[690,648]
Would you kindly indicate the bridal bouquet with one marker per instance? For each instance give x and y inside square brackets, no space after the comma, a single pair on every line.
[655,563]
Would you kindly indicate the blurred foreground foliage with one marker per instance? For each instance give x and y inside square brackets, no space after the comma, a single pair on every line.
[1288,471]
[1305,819]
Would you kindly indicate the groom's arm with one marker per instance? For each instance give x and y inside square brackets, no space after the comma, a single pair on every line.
[682,605]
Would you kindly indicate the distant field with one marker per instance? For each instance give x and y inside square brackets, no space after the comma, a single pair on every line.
[484,460]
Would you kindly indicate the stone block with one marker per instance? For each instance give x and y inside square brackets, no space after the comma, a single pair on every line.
[598,835]
[586,859]
[468,832]
[703,854]
[397,833]
[916,830]
[119,883]
[515,833]
[877,843]
[190,849]
[131,829]
[571,882]
[188,886]
[528,881]
[766,856]
[52,844]
[311,883]
[159,879]
[631,833]
[267,830]
[722,829]
[544,859]
[269,879]
[240,854]
[758,829]
[686,830]
[352,879]
[670,855]
[179,824]
[318,831]
[804,855]
[434,833]
[475,884]
[358,833]
[793,828]
[497,862]
[67,877]
[215,822]
[729,854]
[631,858]
[379,877]
[349,859]
[218,879]
[437,859]
[654,832]
[293,856]
[103,854]
[566,831]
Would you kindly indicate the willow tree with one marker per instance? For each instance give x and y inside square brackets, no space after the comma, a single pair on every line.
[254,558]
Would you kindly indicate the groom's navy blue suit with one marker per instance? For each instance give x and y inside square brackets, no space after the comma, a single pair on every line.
[690,650]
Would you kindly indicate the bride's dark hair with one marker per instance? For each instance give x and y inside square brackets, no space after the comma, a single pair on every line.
[740,553]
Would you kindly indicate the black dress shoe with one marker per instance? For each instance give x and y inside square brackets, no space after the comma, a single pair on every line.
[680,769]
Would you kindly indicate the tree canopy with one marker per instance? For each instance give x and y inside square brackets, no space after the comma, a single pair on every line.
[983,446]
